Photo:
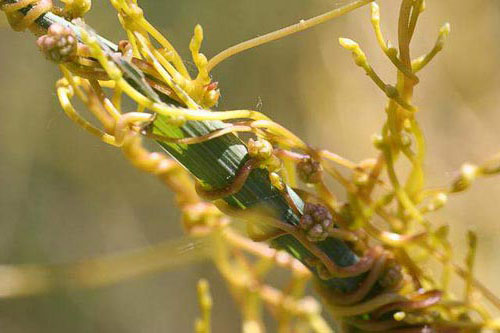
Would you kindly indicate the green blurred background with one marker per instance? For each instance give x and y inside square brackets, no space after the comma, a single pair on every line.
[65,196]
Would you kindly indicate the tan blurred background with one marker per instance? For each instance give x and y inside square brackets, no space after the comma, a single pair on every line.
[64,196]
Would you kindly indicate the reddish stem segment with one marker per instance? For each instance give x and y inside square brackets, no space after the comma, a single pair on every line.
[327,269]
[233,188]
[364,288]
[419,301]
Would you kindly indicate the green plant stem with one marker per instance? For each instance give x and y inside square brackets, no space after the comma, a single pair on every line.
[217,161]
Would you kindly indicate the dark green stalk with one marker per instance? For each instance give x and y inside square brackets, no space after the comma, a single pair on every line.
[216,162]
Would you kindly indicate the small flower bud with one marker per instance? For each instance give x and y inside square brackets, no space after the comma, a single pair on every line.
[378,141]
[443,35]
[405,140]
[367,165]
[201,215]
[361,173]
[399,316]
[358,54]
[59,44]
[392,52]
[422,6]
[309,170]
[125,47]
[316,233]
[437,202]
[135,12]
[307,222]
[375,13]
[407,125]
[468,174]
[360,178]
[276,181]
[168,54]
[260,149]
[76,8]
[211,98]
[198,32]
[348,44]
[491,167]
[211,95]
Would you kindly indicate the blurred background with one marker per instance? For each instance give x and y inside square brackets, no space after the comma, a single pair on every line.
[64,196]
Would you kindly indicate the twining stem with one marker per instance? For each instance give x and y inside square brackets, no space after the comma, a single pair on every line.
[272,36]
[217,161]
[404,37]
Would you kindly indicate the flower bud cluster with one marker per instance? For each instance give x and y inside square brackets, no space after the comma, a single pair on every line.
[262,150]
[317,222]
[59,44]
[309,171]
